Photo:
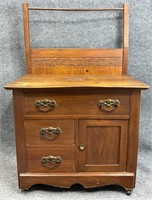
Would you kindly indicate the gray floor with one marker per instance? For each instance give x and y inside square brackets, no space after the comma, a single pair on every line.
[9,185]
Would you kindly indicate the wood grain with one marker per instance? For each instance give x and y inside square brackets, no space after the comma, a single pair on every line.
[66,153]
[104,143]
[77,66]
[76,53]
[76,62]
[77,70]
[33,127]
[133,132]
[19,133]
[19,129]
[125,37]
[125,61]
[97,81]
[102,138]
[126,24]
[77,104]
[88,180]
[27,37]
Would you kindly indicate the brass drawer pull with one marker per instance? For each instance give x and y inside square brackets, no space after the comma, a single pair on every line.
[45,105]
[50,132]
[108,104]
[51,161]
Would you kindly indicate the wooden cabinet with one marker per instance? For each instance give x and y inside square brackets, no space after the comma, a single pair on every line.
[87,135]
[76,116]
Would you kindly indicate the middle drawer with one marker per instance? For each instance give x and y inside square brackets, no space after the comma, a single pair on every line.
[39,132]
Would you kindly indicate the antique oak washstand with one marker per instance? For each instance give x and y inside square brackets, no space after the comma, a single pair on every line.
[76,114]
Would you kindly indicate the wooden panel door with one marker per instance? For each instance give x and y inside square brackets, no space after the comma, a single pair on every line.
[103,145]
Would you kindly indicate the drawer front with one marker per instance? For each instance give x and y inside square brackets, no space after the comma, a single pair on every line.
[93,104]
[49,132]
[51,159]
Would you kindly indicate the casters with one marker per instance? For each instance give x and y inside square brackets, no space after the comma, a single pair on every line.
[128,192]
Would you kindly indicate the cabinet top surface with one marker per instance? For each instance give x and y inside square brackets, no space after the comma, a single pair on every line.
[48,81]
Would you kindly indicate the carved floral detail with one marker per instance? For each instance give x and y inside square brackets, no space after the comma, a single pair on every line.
[76,61]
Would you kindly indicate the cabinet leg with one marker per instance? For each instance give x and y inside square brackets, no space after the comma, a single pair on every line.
[128,192]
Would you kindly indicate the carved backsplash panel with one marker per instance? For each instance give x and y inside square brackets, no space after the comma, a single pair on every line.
[76,61]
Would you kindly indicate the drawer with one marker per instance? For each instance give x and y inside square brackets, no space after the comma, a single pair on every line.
[51,159]
[93,104]
[49,132]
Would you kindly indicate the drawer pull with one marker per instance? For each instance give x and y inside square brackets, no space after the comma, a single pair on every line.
[51,161]
[108,104]
[45,105]
[50,132]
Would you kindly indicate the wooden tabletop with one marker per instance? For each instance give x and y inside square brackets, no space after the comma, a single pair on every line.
[48,81]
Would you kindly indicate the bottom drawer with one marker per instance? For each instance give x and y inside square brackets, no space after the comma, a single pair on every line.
[51,159]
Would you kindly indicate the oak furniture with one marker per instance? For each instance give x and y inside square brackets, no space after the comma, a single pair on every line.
[76,115]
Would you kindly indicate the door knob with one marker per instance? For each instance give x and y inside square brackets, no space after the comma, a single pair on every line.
[81,147]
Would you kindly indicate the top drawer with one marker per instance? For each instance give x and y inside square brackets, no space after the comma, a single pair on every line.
[84,104]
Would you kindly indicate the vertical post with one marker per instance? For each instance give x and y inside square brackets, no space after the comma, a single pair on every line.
[133,132]
[26,36]
[125,38]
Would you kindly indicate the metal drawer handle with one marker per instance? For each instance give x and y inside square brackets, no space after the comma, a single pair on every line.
[50,132]
[45,105]
[51,161]
[108,104]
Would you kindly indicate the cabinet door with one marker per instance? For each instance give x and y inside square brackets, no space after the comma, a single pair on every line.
[103,145]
